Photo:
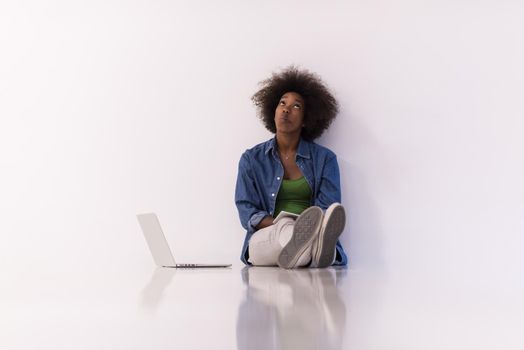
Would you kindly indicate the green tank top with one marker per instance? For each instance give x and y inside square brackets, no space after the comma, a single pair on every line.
[294,196]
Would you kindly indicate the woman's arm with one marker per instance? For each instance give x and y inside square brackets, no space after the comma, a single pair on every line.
[329,188]
[247,199]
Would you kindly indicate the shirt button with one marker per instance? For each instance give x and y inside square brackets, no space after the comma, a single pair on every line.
[278,178]
[272,195]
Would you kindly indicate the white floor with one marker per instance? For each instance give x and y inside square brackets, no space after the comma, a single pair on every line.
[254,308]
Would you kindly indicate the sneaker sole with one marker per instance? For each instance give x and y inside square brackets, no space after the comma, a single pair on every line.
[328,237]
[304,231]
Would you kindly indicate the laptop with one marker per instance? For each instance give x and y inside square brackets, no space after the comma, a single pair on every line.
[158,244]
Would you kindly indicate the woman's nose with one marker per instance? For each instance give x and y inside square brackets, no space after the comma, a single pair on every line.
[285,109]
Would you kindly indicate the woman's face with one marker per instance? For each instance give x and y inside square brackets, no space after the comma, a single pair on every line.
[289,114]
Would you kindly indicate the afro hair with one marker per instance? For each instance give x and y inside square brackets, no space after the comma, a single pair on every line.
[320,107]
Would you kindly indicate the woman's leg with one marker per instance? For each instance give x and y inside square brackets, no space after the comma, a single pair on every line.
[284,243]
[297,252]
[324,247]
[266,244]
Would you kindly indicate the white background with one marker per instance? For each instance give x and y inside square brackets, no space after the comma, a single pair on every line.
[111,108]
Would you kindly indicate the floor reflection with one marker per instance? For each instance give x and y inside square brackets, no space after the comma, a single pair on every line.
[153,293]
[291,309]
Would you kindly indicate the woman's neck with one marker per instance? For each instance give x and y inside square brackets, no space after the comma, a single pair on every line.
[288,142]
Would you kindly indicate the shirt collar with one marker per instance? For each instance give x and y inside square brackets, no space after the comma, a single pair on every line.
[302,150]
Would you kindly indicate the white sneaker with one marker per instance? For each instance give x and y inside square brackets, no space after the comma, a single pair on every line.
[306,229]
[323,252]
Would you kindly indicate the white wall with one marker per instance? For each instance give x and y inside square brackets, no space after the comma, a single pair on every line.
[111,108]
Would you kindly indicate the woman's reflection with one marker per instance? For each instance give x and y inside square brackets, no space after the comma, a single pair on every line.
[291,309]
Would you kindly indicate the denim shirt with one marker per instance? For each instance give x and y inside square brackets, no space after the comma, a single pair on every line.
[260,174]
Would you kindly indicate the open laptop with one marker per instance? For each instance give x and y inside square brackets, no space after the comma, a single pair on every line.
[158,244]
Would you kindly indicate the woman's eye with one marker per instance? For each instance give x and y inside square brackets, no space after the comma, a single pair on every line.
[281,103]
[296,106]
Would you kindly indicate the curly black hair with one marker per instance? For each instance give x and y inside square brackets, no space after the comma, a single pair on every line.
[320,107]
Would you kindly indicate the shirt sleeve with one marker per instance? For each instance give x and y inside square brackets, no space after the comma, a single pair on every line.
[247,198]
[329,188]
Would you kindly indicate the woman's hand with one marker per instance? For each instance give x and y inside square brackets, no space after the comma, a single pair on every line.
[267,221]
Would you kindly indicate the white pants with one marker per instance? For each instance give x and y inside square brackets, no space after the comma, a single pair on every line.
[266,244]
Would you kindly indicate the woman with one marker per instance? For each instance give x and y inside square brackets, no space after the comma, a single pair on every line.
[291,173]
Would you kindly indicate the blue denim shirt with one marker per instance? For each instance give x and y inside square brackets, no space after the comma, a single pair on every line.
[260,174]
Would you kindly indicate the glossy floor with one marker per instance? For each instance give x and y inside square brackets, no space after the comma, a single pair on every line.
[255,308]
